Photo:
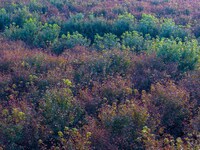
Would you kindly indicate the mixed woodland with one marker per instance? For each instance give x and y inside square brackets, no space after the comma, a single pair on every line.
[100,74]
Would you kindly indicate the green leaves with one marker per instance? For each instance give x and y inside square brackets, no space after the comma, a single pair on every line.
[133,41]
[69,41]
[167,28]
[148,25]
[185,54]
[123,23]
[59,109]
[28,32]
[107,42]
[47,35]
[4,19]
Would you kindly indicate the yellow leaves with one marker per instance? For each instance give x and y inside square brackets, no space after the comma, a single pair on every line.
[14,86]
[144,96]
[145,130]
[23,64]
[166,141]
[21,115]
[74,138]
[136,92]
[88,135]
[15,111]
[63,140]
[179,143]
[18,115]
[152,88]
[128,90]
[124,110]
[32,77]
[40,141]
[67,82]
[66,130]
[126,16]
[60,134]
[5,112]
[161,130]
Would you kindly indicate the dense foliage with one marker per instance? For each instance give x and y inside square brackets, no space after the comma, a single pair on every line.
[98,74]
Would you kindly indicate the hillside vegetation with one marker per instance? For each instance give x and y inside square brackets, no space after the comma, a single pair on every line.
[100,74]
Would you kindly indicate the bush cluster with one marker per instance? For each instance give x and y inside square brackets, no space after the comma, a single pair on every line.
[96,75]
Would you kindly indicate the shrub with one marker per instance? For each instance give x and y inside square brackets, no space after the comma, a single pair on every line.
[29,31]
[167,28]
[167,142]
[100,137]
[5,66]
[196,121]
[149,69]
[180,32]
[39,64]
[88,27]
[196,31]
[17,126]
[133,41]
[60,109]
[169,105]
[169,50]
[123,23]
[170,10]
[107,42]
[189,56]
[70,139]
[124,121]
[185,54]
[148,25]
[16,131]
[95,25]
[4,19]
[69,41]
[191,82]
[109,64]
[122,97]
[12,32]
[112,89]
[47,35]
[36,6]
[73,24]
[20,16]
[170,29]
